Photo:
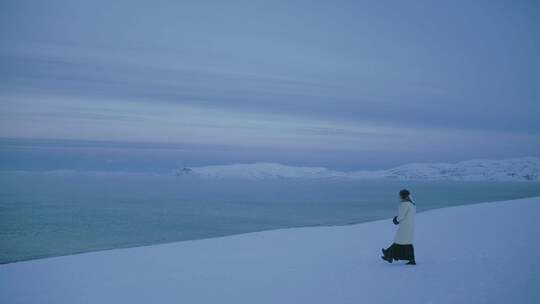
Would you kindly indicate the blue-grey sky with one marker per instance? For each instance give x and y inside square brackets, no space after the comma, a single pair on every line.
[343,84]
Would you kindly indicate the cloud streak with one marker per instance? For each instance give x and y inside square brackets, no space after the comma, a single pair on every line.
[141,120]
[353,76]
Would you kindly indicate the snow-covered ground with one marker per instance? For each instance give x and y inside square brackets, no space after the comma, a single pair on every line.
[510,169]
[484,253]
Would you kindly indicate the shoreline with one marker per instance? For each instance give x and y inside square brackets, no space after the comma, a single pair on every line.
[127,247]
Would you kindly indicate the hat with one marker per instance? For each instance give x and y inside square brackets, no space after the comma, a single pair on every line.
[404,194]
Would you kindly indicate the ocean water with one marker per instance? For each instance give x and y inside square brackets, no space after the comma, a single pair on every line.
[45,214]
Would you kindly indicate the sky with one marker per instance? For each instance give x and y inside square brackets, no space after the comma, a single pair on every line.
[339,84]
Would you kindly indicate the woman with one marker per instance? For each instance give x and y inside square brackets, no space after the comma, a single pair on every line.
[402,248]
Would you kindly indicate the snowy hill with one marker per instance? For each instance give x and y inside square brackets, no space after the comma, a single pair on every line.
[259,171]
[478,261]
[511,169]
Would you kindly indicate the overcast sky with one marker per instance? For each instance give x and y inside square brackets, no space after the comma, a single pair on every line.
[365,83]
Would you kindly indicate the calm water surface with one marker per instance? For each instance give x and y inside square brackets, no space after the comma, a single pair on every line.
[50,214]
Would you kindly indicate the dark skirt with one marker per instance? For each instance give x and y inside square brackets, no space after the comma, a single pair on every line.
[400,252]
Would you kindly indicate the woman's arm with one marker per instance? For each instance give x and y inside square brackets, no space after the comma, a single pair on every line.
[403,211]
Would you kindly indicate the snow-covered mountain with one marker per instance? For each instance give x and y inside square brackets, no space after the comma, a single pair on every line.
[260,171]
[511,169]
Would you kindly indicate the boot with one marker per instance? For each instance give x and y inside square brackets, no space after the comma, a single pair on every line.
[389,260]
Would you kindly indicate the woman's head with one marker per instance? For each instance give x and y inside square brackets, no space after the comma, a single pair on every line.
[404,195]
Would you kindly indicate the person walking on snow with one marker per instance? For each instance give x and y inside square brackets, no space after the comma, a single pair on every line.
[402,248]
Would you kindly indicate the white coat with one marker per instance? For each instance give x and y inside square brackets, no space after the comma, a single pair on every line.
[405,233]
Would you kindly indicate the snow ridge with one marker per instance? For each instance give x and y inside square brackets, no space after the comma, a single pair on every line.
[510,169]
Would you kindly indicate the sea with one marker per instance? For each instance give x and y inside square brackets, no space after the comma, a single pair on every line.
[53,213]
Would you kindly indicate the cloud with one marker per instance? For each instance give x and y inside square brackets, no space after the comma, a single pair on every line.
[302,76]
[127,120]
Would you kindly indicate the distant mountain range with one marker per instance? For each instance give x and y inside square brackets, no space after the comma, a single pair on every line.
[510,169]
